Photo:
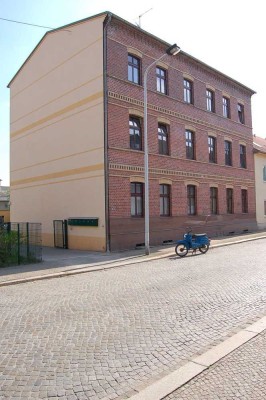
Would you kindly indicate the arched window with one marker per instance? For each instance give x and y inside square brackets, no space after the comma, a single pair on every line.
[163,140]
[165,200]
[191,199]
[133,69]
[135,135]
[190,145]
[136,199]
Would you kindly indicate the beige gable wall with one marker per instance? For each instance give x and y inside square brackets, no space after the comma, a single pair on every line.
[57,134]
[260,162]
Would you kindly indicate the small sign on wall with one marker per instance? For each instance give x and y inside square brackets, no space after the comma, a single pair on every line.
[83,221]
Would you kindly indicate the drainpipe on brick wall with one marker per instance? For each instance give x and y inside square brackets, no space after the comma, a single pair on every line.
[106,169]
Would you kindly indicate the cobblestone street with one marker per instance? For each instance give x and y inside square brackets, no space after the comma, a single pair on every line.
[241,375]
[103,334]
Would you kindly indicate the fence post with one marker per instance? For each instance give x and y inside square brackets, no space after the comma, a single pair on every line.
[28,240]
[18,246]
[65,234]
[9,247]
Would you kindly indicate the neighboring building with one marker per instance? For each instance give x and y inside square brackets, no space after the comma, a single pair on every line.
[77,139]
[4,204]
[259,148]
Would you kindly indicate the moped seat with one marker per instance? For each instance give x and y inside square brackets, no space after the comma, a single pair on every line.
[200,234]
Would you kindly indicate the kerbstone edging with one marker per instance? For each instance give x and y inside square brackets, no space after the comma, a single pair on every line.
[168,384]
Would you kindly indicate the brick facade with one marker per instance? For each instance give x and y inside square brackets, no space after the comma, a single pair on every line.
[125,164]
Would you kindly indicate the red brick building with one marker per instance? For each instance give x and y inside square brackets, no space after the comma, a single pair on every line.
[200,143]
[77,139]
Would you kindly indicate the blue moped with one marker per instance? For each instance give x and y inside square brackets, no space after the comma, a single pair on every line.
[192,242]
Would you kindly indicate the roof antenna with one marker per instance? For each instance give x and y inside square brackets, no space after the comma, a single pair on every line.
[139,24]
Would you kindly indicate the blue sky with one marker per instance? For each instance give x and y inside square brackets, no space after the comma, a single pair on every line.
[228,35]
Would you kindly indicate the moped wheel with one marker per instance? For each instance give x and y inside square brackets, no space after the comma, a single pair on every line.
[204,248]
[181,250]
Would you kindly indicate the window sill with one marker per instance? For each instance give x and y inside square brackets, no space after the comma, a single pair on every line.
[135,84]
[126,149]
[161,93]
[163,155]
[139,151]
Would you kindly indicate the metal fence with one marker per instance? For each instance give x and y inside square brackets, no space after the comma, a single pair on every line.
[20,243]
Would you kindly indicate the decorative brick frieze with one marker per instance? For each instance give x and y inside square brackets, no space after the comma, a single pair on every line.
[165,111]
[180,174]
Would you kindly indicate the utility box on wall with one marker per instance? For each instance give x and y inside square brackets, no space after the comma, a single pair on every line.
[86,221]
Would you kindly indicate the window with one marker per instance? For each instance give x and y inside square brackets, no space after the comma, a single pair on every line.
[240,112]
[264,207]
[190,145]
[191,199]
[229,201]
[188,91]
[214,200]
[161,80]
[136,199]
[165,200]
[243,158]
[212,149]
[163,139]
[264,173]
[244,197]
[135,136]
[210,100]
[228,152]
[133,69]
[226,107]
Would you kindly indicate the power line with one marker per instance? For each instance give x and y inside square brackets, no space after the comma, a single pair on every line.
[26,23]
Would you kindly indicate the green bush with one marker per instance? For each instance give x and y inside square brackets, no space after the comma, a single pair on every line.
[8,248]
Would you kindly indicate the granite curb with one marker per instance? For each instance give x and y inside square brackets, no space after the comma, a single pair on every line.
[115,264]
[173,381]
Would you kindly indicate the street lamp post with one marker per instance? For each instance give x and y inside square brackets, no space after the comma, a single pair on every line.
[172,50]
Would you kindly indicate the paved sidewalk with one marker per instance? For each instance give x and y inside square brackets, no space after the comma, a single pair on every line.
[240,375]
[233,369]
[60,262]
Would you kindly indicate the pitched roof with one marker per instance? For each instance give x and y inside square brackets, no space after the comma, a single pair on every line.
[259,144]
[111,15]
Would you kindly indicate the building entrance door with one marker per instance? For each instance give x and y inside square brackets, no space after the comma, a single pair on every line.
[60,234]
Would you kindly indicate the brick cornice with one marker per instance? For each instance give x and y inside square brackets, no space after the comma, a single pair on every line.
[162,110]
[182,174]
[218,76]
